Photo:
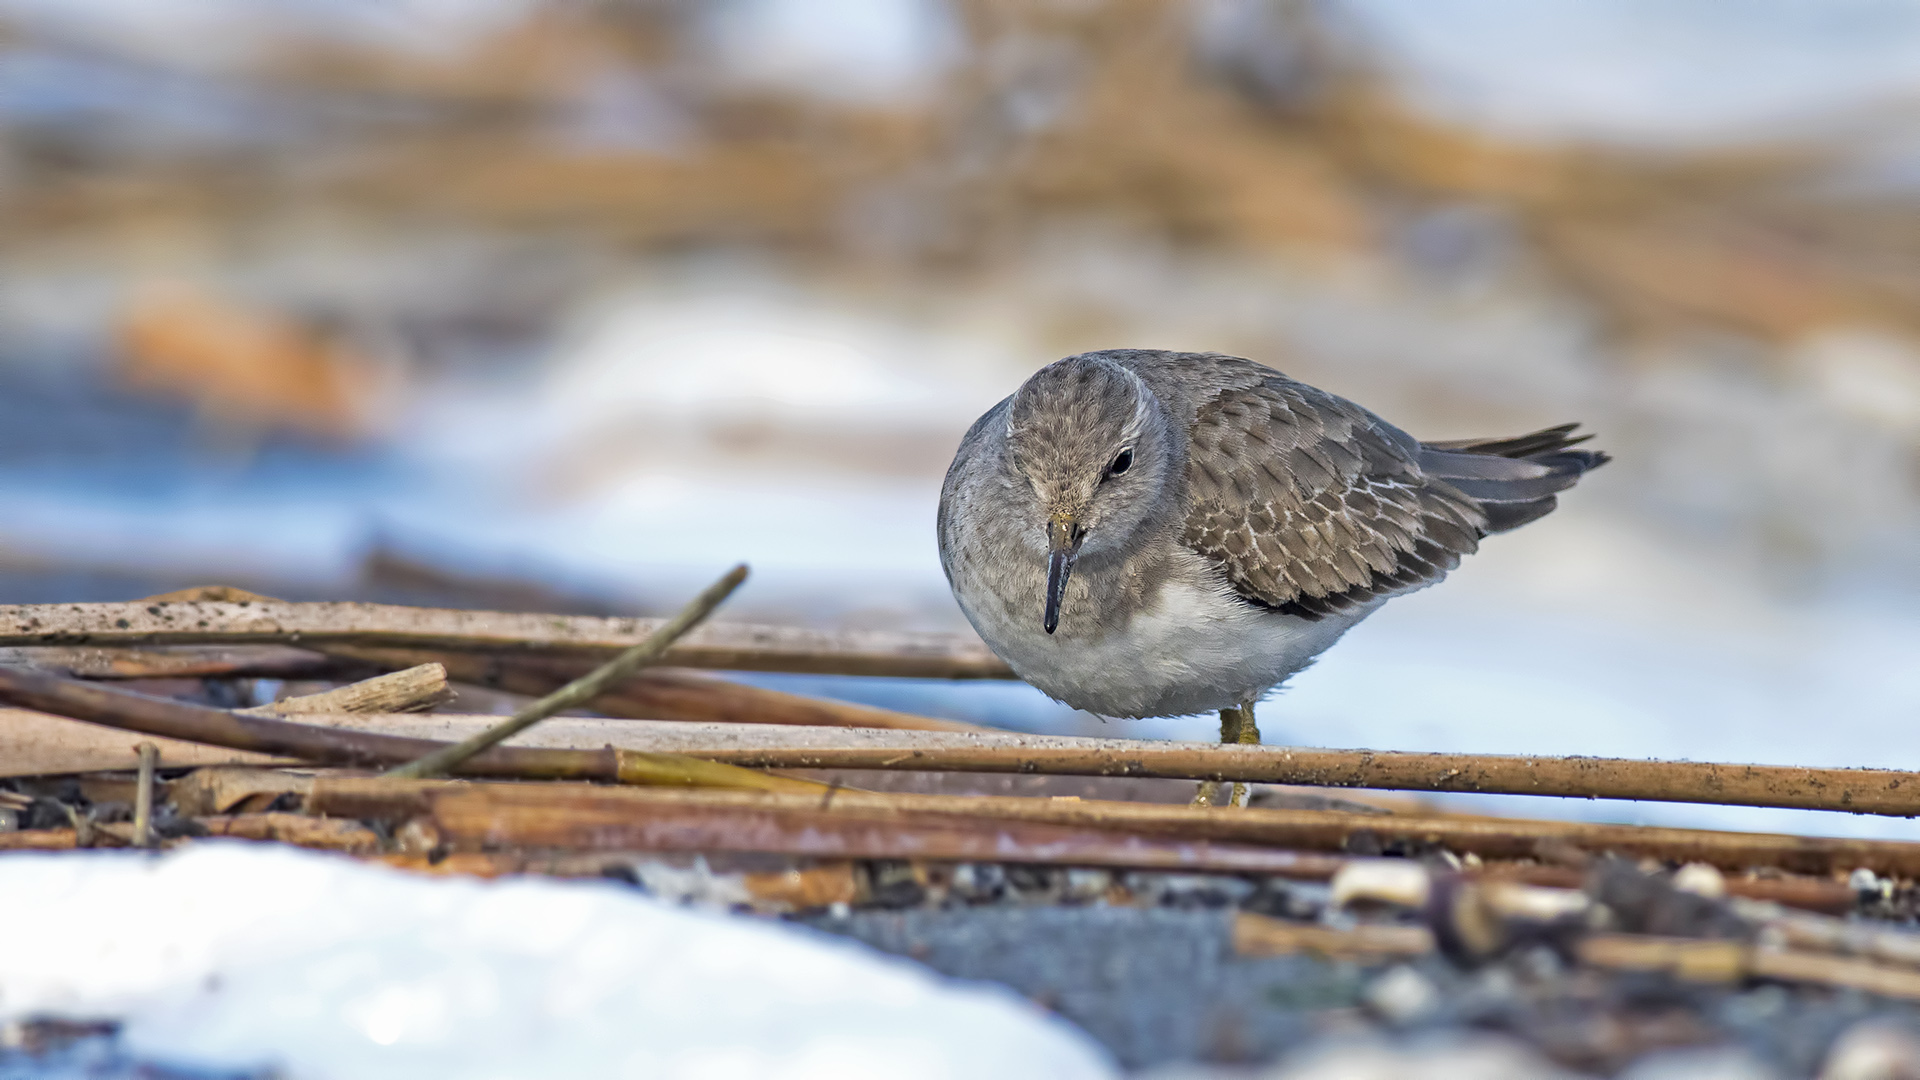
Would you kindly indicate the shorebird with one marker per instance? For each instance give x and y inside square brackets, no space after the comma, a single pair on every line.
[1143,533]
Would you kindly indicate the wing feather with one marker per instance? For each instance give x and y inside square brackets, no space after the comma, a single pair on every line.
[1315,506]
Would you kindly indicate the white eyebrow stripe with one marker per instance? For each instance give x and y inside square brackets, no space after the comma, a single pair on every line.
[1136,425]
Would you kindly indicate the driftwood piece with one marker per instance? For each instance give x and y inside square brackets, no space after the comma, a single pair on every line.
[414,689]
[205,792]
[716,645]
[652,695]
[312,742]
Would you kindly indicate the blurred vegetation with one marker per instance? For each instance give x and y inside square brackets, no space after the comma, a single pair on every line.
[622,124]
[523,152]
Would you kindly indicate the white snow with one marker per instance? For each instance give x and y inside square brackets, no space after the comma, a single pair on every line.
[235,955]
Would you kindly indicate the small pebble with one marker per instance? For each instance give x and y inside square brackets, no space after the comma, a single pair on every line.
[1402,995]
[1701,880]
[978,883]
[1085,886]
[1869,885]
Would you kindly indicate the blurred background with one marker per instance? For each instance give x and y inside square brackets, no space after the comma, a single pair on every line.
[568,304]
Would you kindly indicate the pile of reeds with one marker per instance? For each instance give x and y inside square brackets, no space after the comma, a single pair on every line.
[651,758]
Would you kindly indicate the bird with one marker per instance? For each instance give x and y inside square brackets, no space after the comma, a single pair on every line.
[1143,533]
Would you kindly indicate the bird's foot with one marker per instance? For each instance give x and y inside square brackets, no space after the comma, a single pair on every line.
[1246,733]
[1237,727]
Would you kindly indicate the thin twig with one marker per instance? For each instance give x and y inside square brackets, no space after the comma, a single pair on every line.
[143,796]
[1894,792]
[583,689]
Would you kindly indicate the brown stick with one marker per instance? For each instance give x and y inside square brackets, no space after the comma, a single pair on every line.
[1729,961]
[143,795]
[1877,791]
[717,645]
[175,662]
[412,690]
[1313,830]
[1860,791]
[1259,935]
[296,829]
[195,723]
[35,744]
[1877,941]
[39,840]
[476,818]
[653,695]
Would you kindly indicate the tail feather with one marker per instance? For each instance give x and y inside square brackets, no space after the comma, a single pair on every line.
[1513,479]
[1537,442]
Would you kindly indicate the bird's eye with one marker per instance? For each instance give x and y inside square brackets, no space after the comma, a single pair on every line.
[1121,462]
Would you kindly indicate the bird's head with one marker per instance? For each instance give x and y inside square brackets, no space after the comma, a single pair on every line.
[1094,445]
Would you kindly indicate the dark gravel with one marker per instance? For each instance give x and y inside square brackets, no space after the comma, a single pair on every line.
[1158,982]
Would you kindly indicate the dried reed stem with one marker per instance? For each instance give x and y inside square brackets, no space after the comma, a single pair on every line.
[583,689]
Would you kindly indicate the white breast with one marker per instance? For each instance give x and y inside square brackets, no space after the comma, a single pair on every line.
[1191,650]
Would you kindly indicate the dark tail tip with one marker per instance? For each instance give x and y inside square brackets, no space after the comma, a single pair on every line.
[1514,480]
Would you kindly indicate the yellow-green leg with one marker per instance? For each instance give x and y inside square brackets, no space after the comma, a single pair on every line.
[1248,734]
[1237,726]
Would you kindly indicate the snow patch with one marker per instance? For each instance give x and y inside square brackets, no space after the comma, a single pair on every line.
[232,955]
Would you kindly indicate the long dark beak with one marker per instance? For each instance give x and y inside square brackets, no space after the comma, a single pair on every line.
[1063,543]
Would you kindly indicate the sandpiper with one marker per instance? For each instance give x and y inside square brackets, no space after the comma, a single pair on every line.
[1146,533]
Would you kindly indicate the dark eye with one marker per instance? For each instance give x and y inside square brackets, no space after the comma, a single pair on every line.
[1121,462]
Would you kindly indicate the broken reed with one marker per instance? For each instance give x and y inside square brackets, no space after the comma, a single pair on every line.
[547,639]
[1861,791]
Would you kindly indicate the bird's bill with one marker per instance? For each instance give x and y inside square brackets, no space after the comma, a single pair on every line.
[1063,543]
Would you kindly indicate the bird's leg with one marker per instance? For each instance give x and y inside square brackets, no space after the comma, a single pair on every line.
[1233,725]
[1247,734]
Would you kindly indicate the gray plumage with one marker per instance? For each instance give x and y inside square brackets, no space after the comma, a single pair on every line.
[1212,525]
